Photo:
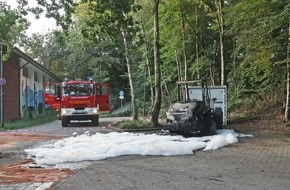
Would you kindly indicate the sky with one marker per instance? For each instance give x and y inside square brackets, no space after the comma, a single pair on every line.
[42,25]
[98,146]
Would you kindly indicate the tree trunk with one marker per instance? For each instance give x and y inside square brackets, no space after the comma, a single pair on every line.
[287,106]
[133,99]
[184,41]
[148,65]
[157,99]
[196,41]
[144,92]
[1,87]
[168,92]
[178,67]
[221,36]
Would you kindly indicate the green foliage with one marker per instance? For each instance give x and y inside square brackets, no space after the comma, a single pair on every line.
[126,113]
[12,26]
[133,124]
[255,46]
[61,11]
[259,29]
[24,123]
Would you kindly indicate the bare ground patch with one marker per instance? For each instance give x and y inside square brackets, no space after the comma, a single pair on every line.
[19,171]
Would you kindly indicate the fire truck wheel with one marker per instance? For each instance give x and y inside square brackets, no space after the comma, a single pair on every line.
[95,120]
[64,122]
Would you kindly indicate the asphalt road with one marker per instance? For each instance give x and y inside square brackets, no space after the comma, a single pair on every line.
[261,162]
[75,126]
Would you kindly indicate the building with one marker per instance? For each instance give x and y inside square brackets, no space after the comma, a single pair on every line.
[22,93]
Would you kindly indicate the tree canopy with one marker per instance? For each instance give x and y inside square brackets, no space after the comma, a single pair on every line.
[12,26]
[242,44]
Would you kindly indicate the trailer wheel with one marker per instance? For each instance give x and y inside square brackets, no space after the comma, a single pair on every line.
[64,122]
[95,120]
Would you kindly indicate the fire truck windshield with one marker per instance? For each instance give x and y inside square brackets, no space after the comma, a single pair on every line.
[78,89]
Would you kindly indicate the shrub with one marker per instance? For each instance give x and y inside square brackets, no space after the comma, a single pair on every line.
[134,124]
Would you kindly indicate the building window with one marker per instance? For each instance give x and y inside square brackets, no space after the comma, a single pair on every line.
[36,77]
[25,72]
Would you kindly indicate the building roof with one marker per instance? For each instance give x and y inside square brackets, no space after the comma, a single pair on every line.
[35,63]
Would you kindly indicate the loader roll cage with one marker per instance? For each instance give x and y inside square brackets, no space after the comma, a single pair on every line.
[183,92]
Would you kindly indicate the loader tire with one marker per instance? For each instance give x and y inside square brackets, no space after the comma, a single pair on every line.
[210,128]
[218,116]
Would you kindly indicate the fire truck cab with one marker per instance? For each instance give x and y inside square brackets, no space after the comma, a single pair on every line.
[77,100]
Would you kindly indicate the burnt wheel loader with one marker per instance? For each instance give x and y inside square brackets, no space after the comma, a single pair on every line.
[189,115]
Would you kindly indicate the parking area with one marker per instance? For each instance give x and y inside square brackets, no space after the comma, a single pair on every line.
[259,162]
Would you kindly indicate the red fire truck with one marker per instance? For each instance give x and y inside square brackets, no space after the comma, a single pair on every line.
[77,100]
